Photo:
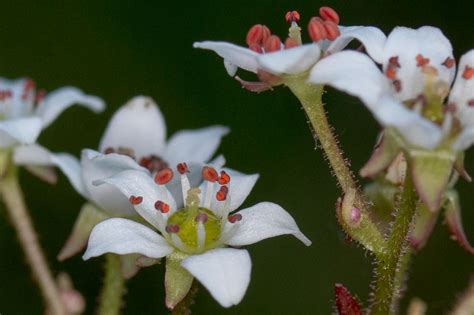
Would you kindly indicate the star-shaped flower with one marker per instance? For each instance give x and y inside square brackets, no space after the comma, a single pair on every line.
[195,238]
[412,98]
[135,138]
[272,60]
[25,112]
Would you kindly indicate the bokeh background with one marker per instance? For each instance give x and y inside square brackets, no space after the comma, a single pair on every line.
[118,49]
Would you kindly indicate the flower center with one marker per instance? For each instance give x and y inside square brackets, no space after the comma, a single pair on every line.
[152,162]
[28,98]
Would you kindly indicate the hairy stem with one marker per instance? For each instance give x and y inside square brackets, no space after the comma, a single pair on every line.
[113,288]
[310,97]
[184,307]
[13,198]
[392,265]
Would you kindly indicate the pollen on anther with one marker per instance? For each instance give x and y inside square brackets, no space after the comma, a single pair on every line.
[221,195]
[390,72]
[468,73]
[290,43]
[209,174]
[397,85]
[164,176]
[172,228]
[255,35]
[292,16]
[109,150]
[135,200]
[393,62]
[201,217]
[329,14]
[273,43]
[332,30]
[162,206]
[448,63]
[182,168]
[234,218]
[224,179]
[470,103]
[421,61]
[316,29]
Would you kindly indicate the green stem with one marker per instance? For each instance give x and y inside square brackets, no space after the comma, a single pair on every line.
[113,288]
[12,196]
[310,96]
[393,264]
[184,307]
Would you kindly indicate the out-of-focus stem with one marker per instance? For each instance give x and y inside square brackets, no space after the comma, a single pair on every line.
[184,307]
[113,287]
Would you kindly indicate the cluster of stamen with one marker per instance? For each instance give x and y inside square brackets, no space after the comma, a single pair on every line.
[28,96]
[195,227]
[324,27]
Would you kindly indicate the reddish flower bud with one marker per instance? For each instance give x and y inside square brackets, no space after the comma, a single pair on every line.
[345,302]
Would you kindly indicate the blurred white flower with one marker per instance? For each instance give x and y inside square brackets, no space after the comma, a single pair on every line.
[195,237]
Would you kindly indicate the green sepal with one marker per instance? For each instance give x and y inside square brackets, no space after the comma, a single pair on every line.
[459,167]
[178,280]
[425,221]
[386,150]
[45,173]
[130,264]
[89,216]
[431,171]
[454,220]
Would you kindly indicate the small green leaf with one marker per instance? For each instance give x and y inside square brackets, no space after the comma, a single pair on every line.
[178,280]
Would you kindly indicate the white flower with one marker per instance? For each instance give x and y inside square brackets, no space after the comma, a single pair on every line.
[196,236]
[25,112]
[271,60]
[410,94]
[135,138]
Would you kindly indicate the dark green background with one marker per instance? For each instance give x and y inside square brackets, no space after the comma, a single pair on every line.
[118,49]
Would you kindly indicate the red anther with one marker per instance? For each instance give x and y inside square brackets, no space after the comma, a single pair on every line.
[421,61]
[393,62]
[397,85]
[234,218]
[332,30]
[449,63]
[172,228]
[40,96]
[292,16]
[257,48]
[201,217]
[290,43]
[209,174]
[468,73]
[390,72]
[109,150]
[164,176]
[329,14]
[470,103]
[135,200]
[29,84]
[221,195]
[224,179]
[316,29]
[266,34]
[255,35]
[182,168]
[162,206]
[273,43]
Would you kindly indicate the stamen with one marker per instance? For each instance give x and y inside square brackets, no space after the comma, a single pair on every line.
[40,96]
[201,235]
[201,217]
[182,168]
[162,206]
[208,195]
[178,242]
[257,48]
[468,73]
[316,29]
[135,200]
[221,195]
[332,30]
[449,63]
[390,72]
[290,43]
[109,150]
[28,87]
[266,34]
[292,16]
[209,174]
[172,228]
[164,176]
[224,179]
[329,14]
[255,35]
[397,85]
[185,187]
[421,61]
[470,103]
[153,163]
[273,43]
[393,62]
[234,218]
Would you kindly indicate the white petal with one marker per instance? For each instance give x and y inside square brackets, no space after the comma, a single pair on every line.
[15,106]
[138,125]
[290,61]
[414,128]
[238,56]
[37,155]
[122,236]
[19,131]
[99,166]
[225,272]
[140,184]
[463,90]
[465,139]
[351,72]
[372,38]
[240,187]
[59,100]
[197,145]
[406,44]
[265,220]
